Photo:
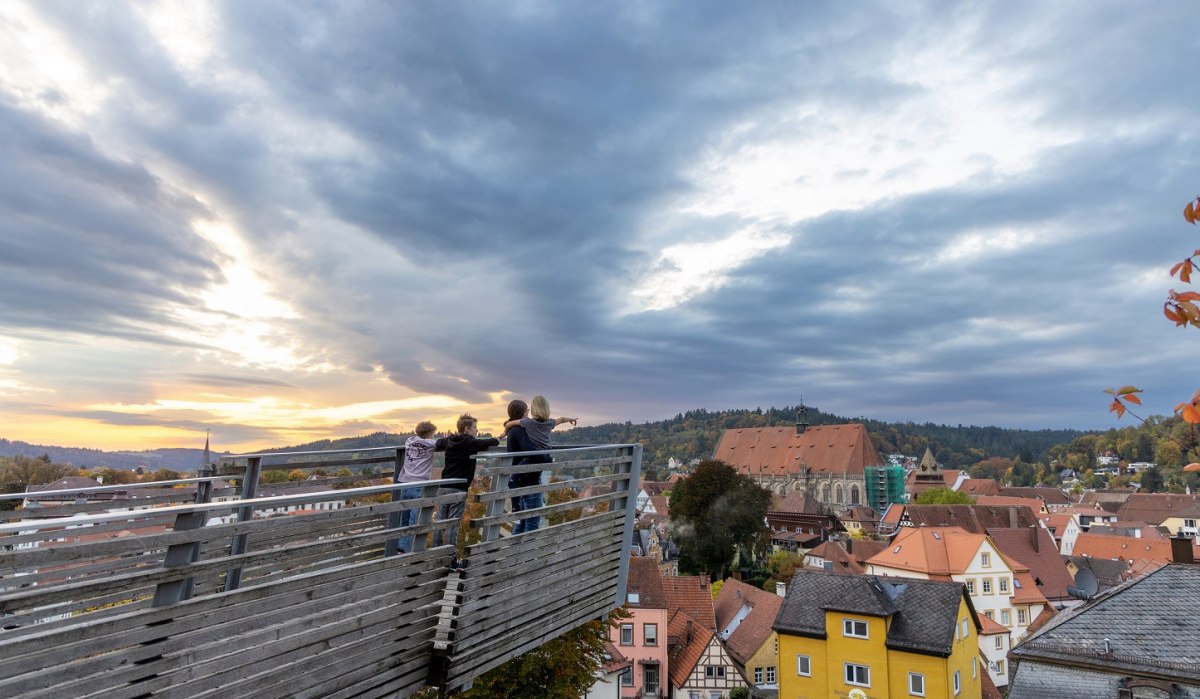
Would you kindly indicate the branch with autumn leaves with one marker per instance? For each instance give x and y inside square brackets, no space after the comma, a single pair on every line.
[1181,309]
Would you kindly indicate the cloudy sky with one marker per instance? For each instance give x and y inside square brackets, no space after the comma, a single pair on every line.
[284,221]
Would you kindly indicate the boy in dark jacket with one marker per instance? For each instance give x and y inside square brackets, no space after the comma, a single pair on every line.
[460,463]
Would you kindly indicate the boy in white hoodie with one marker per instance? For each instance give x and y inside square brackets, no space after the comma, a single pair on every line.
[418,465]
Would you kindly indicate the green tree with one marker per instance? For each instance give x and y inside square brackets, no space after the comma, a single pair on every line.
[275,475]
[739,693]
[716,513]
[943,496]
[1152,480]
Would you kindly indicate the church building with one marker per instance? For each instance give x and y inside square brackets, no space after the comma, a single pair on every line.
[828,462]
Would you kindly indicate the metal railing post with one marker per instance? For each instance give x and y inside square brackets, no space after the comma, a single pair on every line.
[175,591]
[233,579]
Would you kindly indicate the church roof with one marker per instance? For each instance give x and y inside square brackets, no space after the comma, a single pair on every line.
[780,451]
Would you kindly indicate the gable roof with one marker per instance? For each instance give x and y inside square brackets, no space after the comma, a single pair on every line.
[1034,548]
[688,638]
[1048,495]
[937,551]
[779,451]
[924,613]
[1142,625]
[989,626]
[755,626]
[1155,507]
[1114,547]
[1034,504]
[645,579]
[797,502]
[849,556]
[977,519]
[979,486]
[691,594]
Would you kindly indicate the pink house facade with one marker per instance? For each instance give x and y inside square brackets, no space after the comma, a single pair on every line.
[642,638]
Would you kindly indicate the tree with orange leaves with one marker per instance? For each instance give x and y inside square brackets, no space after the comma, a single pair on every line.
[1180,308]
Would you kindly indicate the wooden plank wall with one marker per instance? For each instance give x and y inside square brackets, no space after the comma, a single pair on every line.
[321,611]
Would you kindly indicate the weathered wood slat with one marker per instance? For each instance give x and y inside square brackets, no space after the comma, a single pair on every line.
[52,646]
[573,484]
[486,468]
[548,509]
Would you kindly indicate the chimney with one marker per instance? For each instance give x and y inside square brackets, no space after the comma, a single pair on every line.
[1181,549]
[781,589]
[1012,517]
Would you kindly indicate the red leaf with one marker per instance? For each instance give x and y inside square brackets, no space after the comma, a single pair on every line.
[1188,296]
[1117,408]
[1176,268]
[1133,399]
[1172,315]
[1185,274]
[1189,213]
[1191,414]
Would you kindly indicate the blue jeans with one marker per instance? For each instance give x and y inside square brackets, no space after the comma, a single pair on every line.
[527,502]
[408,518]
[452,511]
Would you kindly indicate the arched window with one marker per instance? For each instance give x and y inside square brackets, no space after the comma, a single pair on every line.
[854,495]
[825,493]
[838,491]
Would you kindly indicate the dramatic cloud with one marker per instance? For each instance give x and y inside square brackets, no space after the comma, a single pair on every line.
[285,221]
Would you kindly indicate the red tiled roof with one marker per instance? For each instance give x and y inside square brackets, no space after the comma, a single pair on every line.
[691,594]
[979,486]
[1032,503]
[842,560]
[755,628]
[1048,495]
[1126,548]
[777,451]
[615,661]
[646,580]
[988,686]
[1034,547]
[686,653]
[989,626]
[1155,507]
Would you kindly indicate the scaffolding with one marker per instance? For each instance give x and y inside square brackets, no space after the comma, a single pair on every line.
[885,485]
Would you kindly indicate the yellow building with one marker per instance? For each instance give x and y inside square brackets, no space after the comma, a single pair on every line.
[870,637]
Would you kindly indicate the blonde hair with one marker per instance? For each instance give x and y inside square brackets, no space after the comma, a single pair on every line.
[466,422]
[425,428]
[539,408]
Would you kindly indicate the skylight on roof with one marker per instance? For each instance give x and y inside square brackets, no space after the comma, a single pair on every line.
[896,550]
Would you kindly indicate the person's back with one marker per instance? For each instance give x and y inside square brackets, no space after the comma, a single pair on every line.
[460,463]
[418,454]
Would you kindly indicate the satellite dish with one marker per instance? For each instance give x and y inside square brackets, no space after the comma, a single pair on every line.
[1086,586]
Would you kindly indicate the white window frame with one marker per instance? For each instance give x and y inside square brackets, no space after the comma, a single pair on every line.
[957,682]
[866,672]
[916,691]
[770,674]
[985,560]
[999,642]
[804,665]
[1003,582]
[627,677]
[965,629]
[987,586]
[850,628]
[714,672]
[971,586]
[1022,617]
[758,675]
[627,628]
[975,666]
[1005,617]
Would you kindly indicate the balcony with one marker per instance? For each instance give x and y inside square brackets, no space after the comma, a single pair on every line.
[217,592]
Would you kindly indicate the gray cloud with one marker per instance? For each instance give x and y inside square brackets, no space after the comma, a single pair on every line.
[525,165]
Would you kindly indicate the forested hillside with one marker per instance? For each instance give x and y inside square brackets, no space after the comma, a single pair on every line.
[694,435]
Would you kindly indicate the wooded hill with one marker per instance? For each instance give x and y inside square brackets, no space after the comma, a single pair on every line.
[690,435]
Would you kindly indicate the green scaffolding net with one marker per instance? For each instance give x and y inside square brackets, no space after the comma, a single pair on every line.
[885,485]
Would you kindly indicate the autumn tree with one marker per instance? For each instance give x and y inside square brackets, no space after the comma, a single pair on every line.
[715,513]
[1152,480]
[1181,309]
[943,496]
[17,473]
[562,668]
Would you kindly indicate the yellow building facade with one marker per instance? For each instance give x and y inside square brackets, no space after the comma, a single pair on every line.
[880,652]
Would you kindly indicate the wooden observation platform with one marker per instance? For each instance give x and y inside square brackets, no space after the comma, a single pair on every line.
[198,588]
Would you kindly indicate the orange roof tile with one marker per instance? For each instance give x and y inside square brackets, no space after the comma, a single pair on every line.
[691,594]
[1126,548]
[933,550]
[989,626]
[1032,503]
[684,655]
[777,451]
[979,486]
[755,628]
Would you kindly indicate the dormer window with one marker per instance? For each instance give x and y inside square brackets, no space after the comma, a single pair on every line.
[634,597]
